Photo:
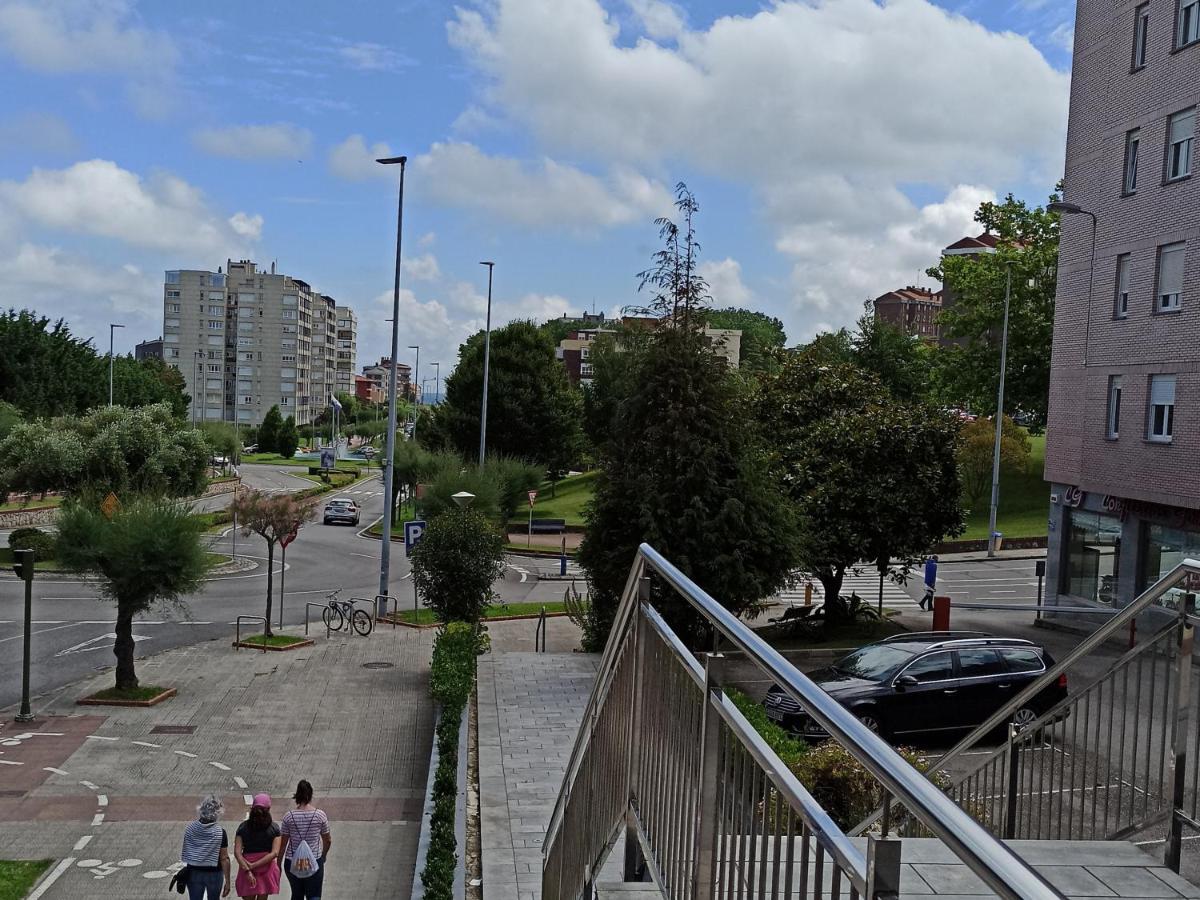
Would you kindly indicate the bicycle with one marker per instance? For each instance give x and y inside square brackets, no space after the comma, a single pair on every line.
[341,614]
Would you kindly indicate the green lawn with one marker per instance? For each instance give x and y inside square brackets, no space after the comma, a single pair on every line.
[32,503]
[568,500]
[141,692]
[1024,501]
[18,876]
[426,616]
[274,640]
[276,459]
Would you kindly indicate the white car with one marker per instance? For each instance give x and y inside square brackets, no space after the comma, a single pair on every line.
[341,509]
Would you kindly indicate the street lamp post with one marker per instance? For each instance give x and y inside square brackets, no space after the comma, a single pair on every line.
[487,356]
[196,384]
[437,382]
[112,326]
[385,547]
[418,388]
[1063,208]
[991,551]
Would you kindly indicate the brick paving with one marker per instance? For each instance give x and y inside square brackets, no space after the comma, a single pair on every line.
[107,795]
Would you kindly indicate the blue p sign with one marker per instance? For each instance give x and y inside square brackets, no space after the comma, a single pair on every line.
[412,533]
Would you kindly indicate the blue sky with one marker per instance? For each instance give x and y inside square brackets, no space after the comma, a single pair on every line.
[834,146]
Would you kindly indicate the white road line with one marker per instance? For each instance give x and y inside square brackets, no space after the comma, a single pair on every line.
[102,799]
[97,819]
[83,842]
[185,753]
[58,627]
[217,765]
[365,555]
[240,782]
[54,770]
[147,744]
[90,786]
[100,737]
[249,800]
[9,762]
[55,874]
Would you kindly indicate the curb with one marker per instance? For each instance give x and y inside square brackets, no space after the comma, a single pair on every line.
[153,701]
[307,642]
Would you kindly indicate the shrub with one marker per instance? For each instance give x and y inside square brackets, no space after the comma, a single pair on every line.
[40,542]
[448,474]
[452,672]
[786,745]
[455,563]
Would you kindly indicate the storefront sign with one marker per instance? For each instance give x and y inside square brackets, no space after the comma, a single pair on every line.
[1072,497]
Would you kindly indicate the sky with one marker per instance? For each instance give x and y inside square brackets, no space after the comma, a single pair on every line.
[834,147]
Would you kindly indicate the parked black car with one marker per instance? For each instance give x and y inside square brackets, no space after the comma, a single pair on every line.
[930,683]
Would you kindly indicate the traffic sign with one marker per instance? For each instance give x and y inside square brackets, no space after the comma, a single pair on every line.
[110,505]
[412,533]
[290,536]
[532,497]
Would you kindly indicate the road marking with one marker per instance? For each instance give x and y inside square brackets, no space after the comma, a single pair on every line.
[240,782]
[56,772]
[100,737]
[86,646]
[9,762]
[365,555]
[185,753]
[48,881]
[147,744]
[97,819]
[102,799]
[217,765]
[59,625]
[83,842]
[90,786]
[249,800]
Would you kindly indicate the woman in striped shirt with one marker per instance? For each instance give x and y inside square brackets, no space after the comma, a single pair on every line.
[305,824]
[206,852]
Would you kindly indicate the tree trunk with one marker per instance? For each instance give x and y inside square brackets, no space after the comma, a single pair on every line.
[270,584]
[831,583]
[123,651]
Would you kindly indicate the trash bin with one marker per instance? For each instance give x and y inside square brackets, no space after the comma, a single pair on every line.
[998,540]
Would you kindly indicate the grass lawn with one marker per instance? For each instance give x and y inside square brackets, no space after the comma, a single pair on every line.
[550,553]
[426,616]
[276,459]
[18,876]
[142,692]
[32,503]
[274,640]
[568,500]
[217,559]
[1024,501]
[337,480]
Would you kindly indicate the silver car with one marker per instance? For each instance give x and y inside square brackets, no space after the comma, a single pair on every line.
[341,509]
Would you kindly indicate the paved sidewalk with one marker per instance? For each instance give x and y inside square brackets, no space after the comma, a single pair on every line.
[107,791]
[530,707]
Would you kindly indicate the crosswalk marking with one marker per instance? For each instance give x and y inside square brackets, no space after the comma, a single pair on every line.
[865,585]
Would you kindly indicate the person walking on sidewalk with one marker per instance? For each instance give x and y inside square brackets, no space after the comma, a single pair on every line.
[305,831]
[930,582]
[206,852]
[256,848]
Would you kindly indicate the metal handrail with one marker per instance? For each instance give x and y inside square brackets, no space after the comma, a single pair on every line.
[1119,622]
[237,639]
[1002,869]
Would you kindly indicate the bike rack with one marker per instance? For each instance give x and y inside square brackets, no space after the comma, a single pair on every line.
[307,607]
[387,598]
[238,630]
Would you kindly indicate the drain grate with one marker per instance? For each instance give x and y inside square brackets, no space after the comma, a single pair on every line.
[173,729]
[379,665]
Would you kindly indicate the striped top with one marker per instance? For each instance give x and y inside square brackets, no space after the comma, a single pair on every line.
[202,843]
[304,825]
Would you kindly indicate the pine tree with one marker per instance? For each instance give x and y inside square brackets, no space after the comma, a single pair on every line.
[268,431]
[287,439]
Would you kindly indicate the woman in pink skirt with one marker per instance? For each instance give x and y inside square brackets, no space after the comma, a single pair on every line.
[256,849]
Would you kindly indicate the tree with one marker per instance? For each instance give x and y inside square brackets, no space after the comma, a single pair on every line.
[272,517]
[287,439]
[976,449]
[681,470]
[149,551]
[432,432]
[678,291]
[45,370]
[412,465]
[456,562]
[222,439]
[10,418]
[762,336]
[870,477]
[533,413]
[37,457]
[143,382]
[1028,247]
[268,431]
[903,363]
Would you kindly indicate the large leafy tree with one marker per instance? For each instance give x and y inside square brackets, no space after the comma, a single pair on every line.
[533,413]
[1028,248]
[762,336]
[976,454]
[456,562]
[268,431]
[870,477]
[272,517]
[143,382]
[904,364]
[149,550]
[45,370]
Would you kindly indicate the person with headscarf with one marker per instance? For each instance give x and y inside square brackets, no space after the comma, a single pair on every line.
[206,852]
[256,847]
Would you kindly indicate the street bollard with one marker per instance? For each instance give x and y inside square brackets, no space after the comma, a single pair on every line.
[941,614]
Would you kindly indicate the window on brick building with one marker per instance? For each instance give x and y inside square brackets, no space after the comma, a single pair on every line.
[1189,23]
[1170,277]
[1141,32]
[1121,302]
[1129,179]
[1113,427]
[1180,129]
[1161,424]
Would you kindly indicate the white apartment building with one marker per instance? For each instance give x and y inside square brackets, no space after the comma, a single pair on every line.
[246,340]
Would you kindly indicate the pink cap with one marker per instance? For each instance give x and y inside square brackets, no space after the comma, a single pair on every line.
[263,800]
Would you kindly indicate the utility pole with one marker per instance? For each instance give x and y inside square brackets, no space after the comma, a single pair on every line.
[991,551]
[487,356]
[23,566]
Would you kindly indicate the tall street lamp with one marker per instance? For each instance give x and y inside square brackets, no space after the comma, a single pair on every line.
[112,326]
[487,357]
[196,384]
[1063,208]
[418,388]
[437,382]
[385,547]
[991,551]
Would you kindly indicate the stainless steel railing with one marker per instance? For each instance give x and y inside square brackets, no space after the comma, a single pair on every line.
[1120,754]
[706,807]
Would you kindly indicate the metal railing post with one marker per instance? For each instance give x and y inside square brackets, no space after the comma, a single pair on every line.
[1010,787]
[635,863]
[883,868]
[704,878]
[1180,739]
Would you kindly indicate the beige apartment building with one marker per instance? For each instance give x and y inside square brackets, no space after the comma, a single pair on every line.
[246,340]
[1123,436]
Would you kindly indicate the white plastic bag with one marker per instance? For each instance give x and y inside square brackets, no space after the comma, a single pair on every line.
[304,861]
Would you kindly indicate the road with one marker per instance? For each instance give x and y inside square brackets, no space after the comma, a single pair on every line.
[73,625]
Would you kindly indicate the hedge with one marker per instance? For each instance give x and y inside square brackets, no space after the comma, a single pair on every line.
[451,678]
[40,542]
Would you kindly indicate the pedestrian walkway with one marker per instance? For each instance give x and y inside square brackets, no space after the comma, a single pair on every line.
[107,792]
[865,584]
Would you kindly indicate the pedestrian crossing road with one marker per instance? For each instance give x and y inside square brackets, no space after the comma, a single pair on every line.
[865,584]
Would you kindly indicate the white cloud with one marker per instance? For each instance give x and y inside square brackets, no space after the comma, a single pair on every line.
[423,267]
[38,132]
[1063,37]
[804,103]
[99,198]
[372,57]
[280,140]
[724,279]
[353,161]
[660,20]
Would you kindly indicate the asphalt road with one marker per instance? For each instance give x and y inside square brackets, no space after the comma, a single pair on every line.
[73,625]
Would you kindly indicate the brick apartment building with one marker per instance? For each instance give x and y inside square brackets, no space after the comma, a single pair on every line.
[1123,436]
[913,310]
[377,374]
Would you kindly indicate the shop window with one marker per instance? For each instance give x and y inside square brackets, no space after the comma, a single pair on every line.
[1164,548]
[1093,557]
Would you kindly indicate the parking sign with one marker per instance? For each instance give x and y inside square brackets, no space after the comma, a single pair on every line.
[412,533]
